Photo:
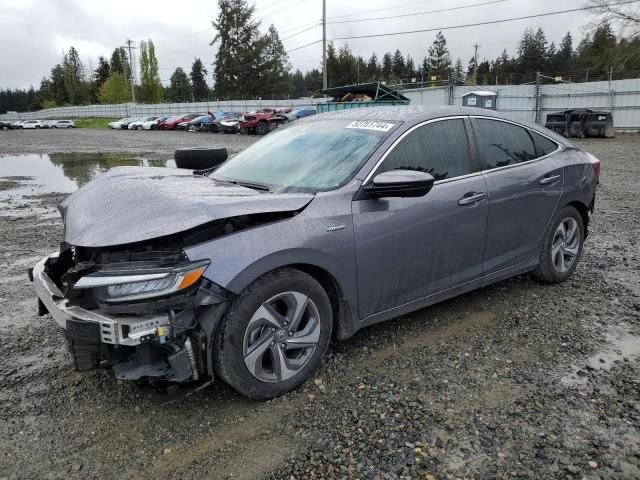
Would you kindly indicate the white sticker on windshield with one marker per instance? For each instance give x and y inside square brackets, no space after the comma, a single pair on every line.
[364,125]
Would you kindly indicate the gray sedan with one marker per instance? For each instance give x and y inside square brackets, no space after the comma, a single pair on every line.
[339,221]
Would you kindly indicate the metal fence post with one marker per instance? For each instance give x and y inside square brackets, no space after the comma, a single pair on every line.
[538,106]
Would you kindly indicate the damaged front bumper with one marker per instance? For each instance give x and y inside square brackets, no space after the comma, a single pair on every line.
[127,330]
[168,344]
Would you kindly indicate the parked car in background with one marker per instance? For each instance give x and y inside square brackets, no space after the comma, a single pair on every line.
[17,123]
[336,223]
[300,113]
[63,124]
[117,123]
[155,124]
[37,124]
[200,124]
[138,124]
[227,122]
[125,125]
[48,123]
[6,125]
[261,122]
[172,123]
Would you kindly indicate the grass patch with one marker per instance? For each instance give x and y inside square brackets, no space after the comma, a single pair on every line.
[94,122]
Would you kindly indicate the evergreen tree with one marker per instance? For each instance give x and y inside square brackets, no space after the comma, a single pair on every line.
[564,58]
[116,89]
[458,72]
[299,87]
[410,69]
[73,76]
[332,65]
[198,82]
[439,58]
[346,67]
[275,70]
[120,62]
[101,73]
[180,90]
[387,69]
[373,68]
[58,89]
[397,66]
[150,86]
[237,59]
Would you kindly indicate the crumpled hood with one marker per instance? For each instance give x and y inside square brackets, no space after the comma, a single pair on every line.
[132,204]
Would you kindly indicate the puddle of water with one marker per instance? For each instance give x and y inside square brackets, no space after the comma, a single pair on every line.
[619,344]
[27,181]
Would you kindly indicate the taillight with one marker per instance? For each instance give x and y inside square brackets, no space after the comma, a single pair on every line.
[595,163]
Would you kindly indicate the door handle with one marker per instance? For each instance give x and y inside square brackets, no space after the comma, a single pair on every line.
[471,197]
[549,180]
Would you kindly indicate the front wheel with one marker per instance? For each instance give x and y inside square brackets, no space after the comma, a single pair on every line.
[274,335]
[562,246]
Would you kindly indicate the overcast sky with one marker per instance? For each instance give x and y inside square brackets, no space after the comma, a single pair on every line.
[34,33]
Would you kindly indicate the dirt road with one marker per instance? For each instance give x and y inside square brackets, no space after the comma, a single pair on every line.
[516,380]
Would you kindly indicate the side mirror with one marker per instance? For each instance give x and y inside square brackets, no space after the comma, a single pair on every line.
[400,183]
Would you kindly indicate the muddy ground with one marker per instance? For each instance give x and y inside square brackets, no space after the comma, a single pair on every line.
[516,380]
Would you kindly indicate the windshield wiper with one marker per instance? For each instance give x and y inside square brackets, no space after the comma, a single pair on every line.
[254,186]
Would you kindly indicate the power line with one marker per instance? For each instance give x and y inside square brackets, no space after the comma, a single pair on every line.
[315,25]
[381,9]
[490,22]
[303,46]
[421,13]
[300,26]
[280,10]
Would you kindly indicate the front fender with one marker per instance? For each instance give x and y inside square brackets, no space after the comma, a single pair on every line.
[320,236]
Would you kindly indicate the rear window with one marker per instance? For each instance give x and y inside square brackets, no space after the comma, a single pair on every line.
[501,143]
[544,146]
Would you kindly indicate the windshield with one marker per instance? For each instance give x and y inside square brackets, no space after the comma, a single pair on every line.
[306,157]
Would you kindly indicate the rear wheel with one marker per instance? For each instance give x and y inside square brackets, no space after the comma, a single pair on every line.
[562,246]
[139,128]
[274,335]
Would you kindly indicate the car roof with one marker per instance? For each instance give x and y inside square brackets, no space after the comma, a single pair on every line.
[413,114]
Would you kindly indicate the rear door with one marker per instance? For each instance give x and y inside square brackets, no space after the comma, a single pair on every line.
[524,186]
[411,248]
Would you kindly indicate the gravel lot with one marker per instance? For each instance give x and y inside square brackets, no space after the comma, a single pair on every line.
[516,380]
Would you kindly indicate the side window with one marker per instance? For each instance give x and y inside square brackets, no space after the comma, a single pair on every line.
[439,148]
[544,146]
[501,143]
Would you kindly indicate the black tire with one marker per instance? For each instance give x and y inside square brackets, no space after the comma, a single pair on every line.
[546,271]
[38,127]
[262,128]
[199,158]
[139,128]
[227,354]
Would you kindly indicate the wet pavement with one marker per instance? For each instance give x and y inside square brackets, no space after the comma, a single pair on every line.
[29,179]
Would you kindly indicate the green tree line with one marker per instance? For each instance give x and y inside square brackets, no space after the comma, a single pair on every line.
[250,64]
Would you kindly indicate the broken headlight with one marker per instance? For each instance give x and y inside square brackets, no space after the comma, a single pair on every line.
[119,285]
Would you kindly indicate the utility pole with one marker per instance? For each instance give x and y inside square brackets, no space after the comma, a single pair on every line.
[131,46]
[475,63]
[324,44]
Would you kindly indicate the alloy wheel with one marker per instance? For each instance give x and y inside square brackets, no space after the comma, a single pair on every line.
[565,245]
[281,337]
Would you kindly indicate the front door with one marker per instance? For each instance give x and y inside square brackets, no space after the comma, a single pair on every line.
[410,248]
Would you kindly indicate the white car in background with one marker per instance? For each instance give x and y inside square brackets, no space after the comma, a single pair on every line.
[17,123]
[153,124]
[117,124]
[63,124]
[37,124]
[139,124]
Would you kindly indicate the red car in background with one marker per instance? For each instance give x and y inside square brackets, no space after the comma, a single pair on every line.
[262,122]
[172,123]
